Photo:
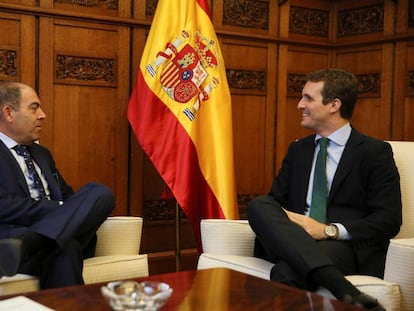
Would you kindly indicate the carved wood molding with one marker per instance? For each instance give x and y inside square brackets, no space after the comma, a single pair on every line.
[160,210]
[85,70]
[165,210]
[246,79]
[295,84]
[361,21]
[308,21]
[109,4]
[369,84]
[8,63]
[246,13]
[242,201]
[410,83]
[150,6]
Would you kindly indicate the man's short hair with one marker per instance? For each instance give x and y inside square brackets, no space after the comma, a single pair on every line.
[339,84]
[10,94]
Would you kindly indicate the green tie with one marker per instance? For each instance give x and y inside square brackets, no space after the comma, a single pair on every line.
[320,184]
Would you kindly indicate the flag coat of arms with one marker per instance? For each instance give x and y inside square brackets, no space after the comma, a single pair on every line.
[180,111]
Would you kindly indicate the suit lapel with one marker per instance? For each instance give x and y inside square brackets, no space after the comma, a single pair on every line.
[11,162]
[44,165]
[347,161]
[306,157]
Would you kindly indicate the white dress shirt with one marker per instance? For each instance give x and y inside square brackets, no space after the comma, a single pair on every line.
[337,142]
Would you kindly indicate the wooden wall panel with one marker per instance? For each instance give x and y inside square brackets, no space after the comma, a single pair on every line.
[249,143]
[405,21]
[294,63]
[408,91]
[85,89]
[371,65]
[249,75]
[404,95]
[17,48]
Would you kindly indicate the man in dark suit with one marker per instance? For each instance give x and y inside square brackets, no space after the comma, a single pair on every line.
[363,200]
[46,228]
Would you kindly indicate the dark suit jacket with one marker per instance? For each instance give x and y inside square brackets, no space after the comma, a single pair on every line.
[365,194]
[17,209]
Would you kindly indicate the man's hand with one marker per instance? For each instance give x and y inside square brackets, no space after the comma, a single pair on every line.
[314,228]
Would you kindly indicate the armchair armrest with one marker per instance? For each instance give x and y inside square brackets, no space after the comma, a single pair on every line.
[119,235]
[227,237]
[399,269]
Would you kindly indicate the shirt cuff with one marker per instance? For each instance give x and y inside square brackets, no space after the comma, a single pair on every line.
[343,234]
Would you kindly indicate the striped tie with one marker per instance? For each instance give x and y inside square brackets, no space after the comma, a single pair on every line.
[21,150]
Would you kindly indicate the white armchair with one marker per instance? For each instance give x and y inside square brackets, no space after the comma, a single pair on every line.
[117,257]
[229,244]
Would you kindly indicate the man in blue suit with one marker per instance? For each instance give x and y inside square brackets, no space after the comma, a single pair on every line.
[46,228]
[363,204]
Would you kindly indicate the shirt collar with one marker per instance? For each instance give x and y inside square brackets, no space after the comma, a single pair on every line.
[9,142]
[340,136]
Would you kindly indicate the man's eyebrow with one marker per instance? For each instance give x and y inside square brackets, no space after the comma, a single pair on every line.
[306,95]
[34,104]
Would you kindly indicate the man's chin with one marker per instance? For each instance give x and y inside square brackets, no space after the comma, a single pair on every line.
[305,124]
[35,139]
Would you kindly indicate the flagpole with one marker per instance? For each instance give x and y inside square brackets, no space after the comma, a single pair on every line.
[177,237]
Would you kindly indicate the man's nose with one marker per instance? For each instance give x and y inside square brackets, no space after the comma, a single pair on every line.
[300,104]
[42,114]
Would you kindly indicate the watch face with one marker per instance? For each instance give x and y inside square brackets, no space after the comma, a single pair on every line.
[330,231]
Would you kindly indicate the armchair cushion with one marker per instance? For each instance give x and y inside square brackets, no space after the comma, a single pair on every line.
[246,264]
[114,267]
[117,257]
[20,283]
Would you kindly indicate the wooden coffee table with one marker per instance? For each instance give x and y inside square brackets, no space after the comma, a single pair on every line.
[211,289]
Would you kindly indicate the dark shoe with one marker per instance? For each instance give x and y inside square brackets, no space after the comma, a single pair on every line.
[10,256]
[364,301]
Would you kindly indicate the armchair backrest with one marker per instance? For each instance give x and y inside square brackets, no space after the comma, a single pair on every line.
[227,237]
[119,235]
[403,155]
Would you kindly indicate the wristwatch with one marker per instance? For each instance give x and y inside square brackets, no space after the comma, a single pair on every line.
[331,231]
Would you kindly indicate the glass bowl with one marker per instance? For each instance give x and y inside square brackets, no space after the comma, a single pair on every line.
[131,295]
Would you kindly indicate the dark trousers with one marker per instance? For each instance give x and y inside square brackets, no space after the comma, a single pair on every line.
[71,230]
[295,253]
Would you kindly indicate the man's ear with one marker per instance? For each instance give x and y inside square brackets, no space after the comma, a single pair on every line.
[335,105]
[7,113]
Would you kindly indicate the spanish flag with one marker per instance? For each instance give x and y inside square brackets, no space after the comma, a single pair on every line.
[180,111]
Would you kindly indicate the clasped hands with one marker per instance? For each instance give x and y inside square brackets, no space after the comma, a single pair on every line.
[314,228]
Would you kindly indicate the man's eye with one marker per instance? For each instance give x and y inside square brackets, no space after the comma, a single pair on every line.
[34,107]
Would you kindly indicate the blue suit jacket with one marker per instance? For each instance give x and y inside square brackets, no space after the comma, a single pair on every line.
[17,209]
[365,194]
